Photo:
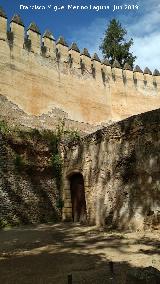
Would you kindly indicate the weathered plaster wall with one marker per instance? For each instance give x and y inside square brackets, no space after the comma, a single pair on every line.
[28,187]
[121,169]
[38,84]
[12,114]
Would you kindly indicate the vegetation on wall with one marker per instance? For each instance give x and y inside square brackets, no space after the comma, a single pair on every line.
[19,162]
[4,129]
[24,150]
[55,139]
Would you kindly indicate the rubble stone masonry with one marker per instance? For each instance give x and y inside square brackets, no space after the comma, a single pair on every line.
[120,165]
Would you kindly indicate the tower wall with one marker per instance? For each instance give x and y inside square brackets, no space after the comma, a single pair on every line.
[64,78]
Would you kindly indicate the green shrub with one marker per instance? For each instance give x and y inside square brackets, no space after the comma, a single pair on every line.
[3,223]
[72,135]
[19,162]
[4,127]
[56,164]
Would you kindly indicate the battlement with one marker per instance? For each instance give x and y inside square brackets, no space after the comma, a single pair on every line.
[46,46]
[25,51]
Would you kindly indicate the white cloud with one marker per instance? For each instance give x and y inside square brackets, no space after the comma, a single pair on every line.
[144,29]
[147,50]
[146,35]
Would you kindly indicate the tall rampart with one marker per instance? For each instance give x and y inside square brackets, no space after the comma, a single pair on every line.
[39,74]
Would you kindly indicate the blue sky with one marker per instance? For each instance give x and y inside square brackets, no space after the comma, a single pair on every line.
[86,27]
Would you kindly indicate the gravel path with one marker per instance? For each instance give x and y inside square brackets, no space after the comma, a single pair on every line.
[48,253]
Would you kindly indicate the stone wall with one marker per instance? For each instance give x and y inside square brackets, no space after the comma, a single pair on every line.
[41,79]
[29,192]
[15,116]
[121,169]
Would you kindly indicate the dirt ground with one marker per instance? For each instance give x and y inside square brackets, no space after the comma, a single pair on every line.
[48,253]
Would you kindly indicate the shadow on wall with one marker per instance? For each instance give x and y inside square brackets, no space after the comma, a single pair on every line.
[121,164]
[135,172]
[29,199]
[28,189]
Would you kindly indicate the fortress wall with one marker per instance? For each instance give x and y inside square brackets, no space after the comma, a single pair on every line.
[37,86]
[39,79]
[120,166]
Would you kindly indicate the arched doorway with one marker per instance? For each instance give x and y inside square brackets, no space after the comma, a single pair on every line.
[78,198]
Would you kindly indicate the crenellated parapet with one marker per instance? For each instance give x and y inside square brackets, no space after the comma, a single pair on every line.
[17,29]
[48,45]
[79,62]
[3,25]
[34,35]
[62,53]
[74,56]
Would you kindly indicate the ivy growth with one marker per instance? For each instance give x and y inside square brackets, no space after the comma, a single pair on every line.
[19,162]
[53,139]
[4,127]
[59,135]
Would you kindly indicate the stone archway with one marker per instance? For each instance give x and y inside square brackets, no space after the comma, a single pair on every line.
[78,201]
